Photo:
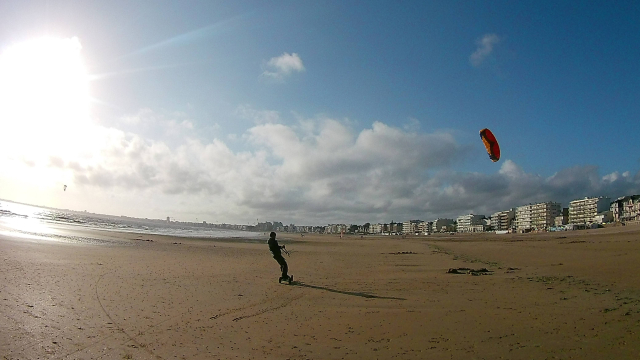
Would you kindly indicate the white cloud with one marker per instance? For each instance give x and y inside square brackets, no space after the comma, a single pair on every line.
[484,49]
[616,176]
[511,170]
[283,66]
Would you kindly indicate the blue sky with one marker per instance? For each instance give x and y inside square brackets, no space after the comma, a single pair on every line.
[318,112]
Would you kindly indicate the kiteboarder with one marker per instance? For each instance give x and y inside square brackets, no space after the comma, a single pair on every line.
[277,254]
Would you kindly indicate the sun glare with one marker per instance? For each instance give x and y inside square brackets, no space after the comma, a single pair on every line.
[44,100]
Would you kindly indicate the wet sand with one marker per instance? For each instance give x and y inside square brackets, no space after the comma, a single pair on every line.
[127,296]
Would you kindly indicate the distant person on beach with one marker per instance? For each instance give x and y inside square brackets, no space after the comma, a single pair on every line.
[277,254]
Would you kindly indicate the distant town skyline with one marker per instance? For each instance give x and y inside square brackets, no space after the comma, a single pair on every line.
[538,216]
[316,112]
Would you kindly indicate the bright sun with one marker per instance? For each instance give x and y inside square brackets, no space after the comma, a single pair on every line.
[44,100]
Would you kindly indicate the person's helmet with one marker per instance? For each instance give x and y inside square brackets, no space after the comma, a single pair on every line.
[273,234]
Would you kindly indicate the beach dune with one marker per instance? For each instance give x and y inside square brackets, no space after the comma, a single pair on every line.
[107,295]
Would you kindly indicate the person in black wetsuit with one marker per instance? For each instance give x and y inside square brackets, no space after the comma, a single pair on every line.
[275,250]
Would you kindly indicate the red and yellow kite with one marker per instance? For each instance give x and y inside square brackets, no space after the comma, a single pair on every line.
[490,142]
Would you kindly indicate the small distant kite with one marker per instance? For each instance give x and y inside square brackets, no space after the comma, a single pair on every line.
[490,142]
[65,188]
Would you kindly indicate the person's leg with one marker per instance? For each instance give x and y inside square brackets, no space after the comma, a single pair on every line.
[283,266]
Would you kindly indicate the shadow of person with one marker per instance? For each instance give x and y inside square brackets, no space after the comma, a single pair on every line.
[350,293]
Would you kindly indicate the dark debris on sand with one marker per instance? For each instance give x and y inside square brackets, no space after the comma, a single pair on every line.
[468,271]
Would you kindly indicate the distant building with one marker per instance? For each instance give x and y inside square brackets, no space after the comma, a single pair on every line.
[376,228]
[410,226]
[384,228]
[626,208]
[265,226]
[442,225]
[335,229]
[603,217]
[470,223]
[523,218]
[543,215]
[278,226]
[503,220]
[395,228]
[424,227]
[539,216]
[563,218]
[484,225]
[584,210]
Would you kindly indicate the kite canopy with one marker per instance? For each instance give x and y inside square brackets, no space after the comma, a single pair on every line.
[490,142]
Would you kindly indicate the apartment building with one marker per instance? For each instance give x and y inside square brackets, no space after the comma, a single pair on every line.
[584,210]
[376,228]
[626,208]
[470,222]
[523,218]
[543,215]
[482,226]
[394,227]
[335,229]
[603,217]
[442,225]
[424,227]
[410,226]
[563,218]
[539,216]
[503,220]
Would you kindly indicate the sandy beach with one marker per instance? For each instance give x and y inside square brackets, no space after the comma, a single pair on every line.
[107,295]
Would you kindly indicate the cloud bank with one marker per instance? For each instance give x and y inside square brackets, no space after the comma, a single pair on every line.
[314,172]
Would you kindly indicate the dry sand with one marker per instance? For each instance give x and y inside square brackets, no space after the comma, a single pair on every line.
[548,296]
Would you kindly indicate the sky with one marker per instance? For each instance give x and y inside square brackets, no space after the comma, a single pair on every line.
[316,112]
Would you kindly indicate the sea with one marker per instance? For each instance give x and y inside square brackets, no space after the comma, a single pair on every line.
[29,219]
